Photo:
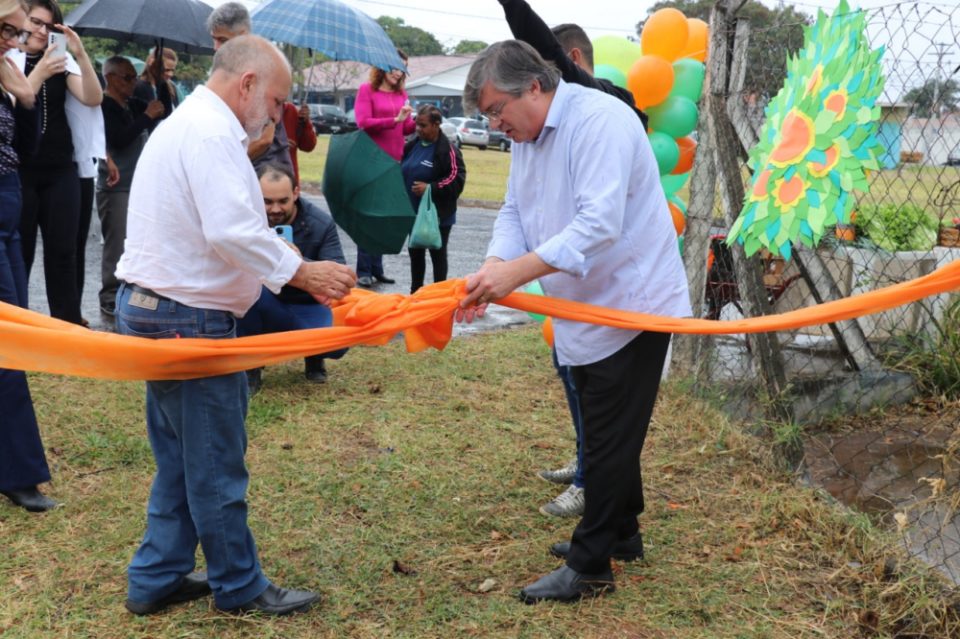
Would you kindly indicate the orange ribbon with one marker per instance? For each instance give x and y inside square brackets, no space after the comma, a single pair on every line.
[34,342]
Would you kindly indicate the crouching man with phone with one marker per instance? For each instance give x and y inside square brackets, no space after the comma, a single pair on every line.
[313,233]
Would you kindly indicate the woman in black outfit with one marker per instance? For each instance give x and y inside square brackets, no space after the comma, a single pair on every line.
[51,185]
[23,464]
[430,159]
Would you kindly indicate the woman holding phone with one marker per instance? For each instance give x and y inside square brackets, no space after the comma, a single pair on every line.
[51,183]
[23,465]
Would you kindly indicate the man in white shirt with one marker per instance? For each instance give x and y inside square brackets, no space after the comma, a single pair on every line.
[198,251]
[584,213]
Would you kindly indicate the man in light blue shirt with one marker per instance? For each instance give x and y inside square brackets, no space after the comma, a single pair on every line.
[585,214]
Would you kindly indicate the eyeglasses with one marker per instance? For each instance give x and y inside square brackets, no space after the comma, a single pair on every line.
[40,24]
[494,112]
[8,32]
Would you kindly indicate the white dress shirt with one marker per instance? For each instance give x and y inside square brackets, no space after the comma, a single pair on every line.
[196,227]
[586,197]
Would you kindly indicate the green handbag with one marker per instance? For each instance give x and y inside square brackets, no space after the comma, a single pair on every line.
[426,228]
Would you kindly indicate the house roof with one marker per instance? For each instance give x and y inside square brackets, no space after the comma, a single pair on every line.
[345,75]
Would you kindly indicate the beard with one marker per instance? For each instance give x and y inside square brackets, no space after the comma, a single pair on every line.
[255,117]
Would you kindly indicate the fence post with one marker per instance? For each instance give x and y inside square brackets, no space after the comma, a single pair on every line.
[765,347]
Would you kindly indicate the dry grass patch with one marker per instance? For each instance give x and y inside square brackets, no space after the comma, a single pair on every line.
[401,485]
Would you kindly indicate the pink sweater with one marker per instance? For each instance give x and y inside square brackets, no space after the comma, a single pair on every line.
[375,112]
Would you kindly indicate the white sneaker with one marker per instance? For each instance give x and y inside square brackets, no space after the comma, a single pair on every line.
[561,475]
[569,503]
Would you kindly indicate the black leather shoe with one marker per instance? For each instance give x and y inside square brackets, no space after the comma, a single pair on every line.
[625,549]
[383,279]
[192,586]
[567,585]
[315,371]
[278,601]
[366,281]
[31,499]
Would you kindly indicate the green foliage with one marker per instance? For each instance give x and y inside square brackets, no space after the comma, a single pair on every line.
[413,40]
[776,33]
[893,227]
[934,97]
[933,357]
[466,47]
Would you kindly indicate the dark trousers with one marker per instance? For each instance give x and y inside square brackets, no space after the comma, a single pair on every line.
[112,210]
[438,257]
[617,395]
[22,460]
[369,264]
[51,203]
[83,230]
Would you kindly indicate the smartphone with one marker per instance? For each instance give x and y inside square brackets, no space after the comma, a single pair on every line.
[58,43]
[285,231]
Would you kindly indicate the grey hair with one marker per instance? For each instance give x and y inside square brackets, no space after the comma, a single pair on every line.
[510,66]
[231,16]
[247,53]
[113,64]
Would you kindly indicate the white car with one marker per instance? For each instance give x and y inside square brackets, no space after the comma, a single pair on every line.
[470,132]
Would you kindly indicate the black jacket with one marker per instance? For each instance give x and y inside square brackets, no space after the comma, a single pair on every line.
[315,234]
[527,26]
[449,174]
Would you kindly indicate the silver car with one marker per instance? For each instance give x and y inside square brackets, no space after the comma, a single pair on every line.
[470,132]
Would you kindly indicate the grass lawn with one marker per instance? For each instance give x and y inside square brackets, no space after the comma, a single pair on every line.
[407,481]
[486,170]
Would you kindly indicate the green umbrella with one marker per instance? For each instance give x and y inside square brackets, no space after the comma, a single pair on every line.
[365,192]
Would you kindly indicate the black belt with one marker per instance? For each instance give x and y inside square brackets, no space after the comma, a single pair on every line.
[136,288]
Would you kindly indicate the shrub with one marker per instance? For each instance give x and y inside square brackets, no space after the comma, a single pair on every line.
[892,227]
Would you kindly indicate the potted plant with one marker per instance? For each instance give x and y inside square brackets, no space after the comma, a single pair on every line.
[949,234]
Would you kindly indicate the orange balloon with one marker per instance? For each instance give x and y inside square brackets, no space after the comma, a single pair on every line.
[650,80]
[665,34]
[688,149]
[697,38]
[679,222]
[547,329]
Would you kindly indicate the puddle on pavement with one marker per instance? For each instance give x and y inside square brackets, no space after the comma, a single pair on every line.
[891,466]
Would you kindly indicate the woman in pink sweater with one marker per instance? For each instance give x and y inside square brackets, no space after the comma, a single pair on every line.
[382,111]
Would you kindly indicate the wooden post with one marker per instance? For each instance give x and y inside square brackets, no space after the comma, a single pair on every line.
[765,349]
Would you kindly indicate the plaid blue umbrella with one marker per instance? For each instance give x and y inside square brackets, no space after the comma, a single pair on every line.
[334,29]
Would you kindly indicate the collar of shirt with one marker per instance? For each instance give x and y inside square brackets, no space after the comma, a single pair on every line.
[558,106]
[215,101]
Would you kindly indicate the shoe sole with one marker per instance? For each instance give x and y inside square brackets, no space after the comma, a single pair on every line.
[304,607]
[590,593]
[544,511]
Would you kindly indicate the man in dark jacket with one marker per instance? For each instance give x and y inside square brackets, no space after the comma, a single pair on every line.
[315,237]
[127,121]
[567,46]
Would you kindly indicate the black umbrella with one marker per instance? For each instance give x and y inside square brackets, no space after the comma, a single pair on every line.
[177,24]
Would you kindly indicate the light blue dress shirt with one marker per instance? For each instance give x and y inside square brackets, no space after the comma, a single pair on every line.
[586,197]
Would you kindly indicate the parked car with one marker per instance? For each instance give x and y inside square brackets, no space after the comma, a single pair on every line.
[329,118]
[496,138]
[449,129]
[470,132]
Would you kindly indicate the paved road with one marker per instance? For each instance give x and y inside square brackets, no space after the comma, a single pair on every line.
[468,242]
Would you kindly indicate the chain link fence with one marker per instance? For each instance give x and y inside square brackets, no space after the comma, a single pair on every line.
[870,409]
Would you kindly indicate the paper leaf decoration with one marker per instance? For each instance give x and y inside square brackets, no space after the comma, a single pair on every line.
[819,136]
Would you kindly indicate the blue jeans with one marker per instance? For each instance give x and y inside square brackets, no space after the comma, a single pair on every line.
[197,432]
[271,315]
[369,264]
[573,402]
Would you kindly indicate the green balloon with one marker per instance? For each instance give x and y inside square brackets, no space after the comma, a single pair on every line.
[534,288]
[679,203]
[616,52]
[673,183]
[665,150]
[688,79]
[676,116]
[611,73]
[680,244]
